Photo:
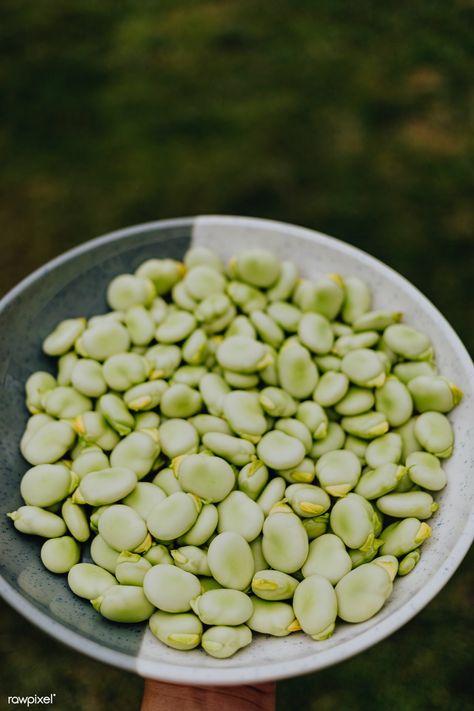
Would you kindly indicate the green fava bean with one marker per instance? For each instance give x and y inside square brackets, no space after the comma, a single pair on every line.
[181,631]
[384,450]
[354,341]
[273,585]
[145,396]
[297,372]
[280,451]
[158,554]
[167,481]
[94,429]
[285,541]
[435,434]
[324,296]
[182,298]
[37,385]
[242,354]
[315,606]
[234,449]
[307,500]
[312,415]
[268,330]
[140,324]
[58,555]
[338,472]
[243,412]
[46,484]
[124,603]
[367,426]
[425,470]
[252,479]
[100,342]
[123,370]
[352,519]
[231,561]
[203,280]
[331,388]
[286,315]
[316,526]
[116,413]
[223,641]
[128,290]
[75,519]
[315,332]
[164,273]
[240,514]
[213,390]
[175,327]
[277,402]
[131,568]
[357,446]
[202,530]
[359,557]
[259,562]
[191,559]
[174,516]
[137,451]
[178,437]
[103,555]
[180,401]
[357,299]
[49,443]
[222,607]
[362,592]
[409,439]
[202,255]
[171,589]
[404,536]
[105,486]
[66,365]
[209,423]
[435,393]
[62,339]
[408,562]
[210,478]
[272,617]
[283,287]
[355,402]
[327,557]
[297,429]
[393,399]
[303,473]
[144,497]
[271,494]
[407,342]
[381,480]
[195,348]
[164,360]
[328,362]
[257,267]
[412,369]
[123,529]
[411,504]
[90,459]
[37,522]
[65,402]
[334,439]
[88,378]
[376,320]
[89,581]
[363,367]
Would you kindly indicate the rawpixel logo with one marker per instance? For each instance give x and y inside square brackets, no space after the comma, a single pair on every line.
[31,700]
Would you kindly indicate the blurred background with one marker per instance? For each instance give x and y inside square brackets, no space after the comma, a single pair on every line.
[348,117]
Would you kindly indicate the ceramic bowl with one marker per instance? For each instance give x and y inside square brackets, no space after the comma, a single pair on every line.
[73,285]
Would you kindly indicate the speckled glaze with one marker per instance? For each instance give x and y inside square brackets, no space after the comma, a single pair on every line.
[74,284]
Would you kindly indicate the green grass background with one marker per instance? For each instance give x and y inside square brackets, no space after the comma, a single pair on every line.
[349,117]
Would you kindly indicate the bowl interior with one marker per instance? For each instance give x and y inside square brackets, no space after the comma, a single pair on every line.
[74,285]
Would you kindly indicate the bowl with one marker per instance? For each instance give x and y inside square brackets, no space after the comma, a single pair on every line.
[73,285]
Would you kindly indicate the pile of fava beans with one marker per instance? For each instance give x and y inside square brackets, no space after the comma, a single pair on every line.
[237,449]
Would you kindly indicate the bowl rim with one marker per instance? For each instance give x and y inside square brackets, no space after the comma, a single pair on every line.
[280,669]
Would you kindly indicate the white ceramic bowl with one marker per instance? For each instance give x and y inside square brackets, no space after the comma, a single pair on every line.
[269,658]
